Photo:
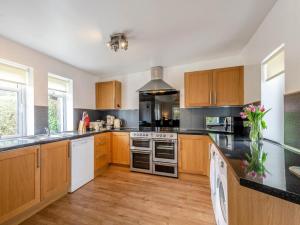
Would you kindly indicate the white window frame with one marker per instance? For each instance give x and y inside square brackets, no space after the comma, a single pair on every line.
[273,54]
[67,101]
[24,91]
[60,94]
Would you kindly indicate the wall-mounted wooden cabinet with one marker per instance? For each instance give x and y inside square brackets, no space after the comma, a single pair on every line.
[194,154]
[120,148]
[55,172]
[20,181]
[102,150]
[219,87]
[108,95]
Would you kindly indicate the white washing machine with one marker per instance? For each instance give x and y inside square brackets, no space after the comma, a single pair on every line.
[213,175]
[221,193]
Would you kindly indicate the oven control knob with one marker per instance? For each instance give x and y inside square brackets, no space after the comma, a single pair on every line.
[165,135]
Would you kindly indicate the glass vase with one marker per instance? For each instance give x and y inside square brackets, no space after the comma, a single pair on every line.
[255,131]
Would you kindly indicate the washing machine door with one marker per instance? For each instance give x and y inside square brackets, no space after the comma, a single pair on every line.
[222,204]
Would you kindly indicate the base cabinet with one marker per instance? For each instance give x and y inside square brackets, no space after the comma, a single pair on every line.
[102,148]
[194,154]
[120,148]
[20,181]
[55,172]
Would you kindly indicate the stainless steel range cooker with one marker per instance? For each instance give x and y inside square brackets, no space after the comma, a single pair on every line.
[154,152]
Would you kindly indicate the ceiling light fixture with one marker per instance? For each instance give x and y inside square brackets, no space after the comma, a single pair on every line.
[118,41]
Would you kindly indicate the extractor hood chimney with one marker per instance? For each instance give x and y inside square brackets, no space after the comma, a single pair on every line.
[156,85]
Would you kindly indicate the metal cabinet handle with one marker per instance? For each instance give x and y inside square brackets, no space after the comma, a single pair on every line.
[215,98]
[210,97]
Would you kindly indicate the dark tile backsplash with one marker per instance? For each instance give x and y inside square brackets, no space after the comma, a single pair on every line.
[129,117]
[195,118]
[77,114]
[292,120]
[189,118]
[40,119]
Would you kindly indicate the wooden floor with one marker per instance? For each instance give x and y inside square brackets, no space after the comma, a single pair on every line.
[120,197]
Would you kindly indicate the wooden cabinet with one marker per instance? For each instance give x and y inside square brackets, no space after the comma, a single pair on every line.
[108,95]
[194,154]
[55,163]
[20,181]
[198,88]
[228,86]
[120,148]
[102,148]
[219,87]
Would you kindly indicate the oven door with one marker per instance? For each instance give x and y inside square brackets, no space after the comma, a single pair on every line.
[141,161]
[141,143]
[165,151]
[165,169]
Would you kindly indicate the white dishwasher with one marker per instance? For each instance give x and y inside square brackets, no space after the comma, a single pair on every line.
[82,162]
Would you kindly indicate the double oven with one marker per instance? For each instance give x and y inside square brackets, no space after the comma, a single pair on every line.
[154,153]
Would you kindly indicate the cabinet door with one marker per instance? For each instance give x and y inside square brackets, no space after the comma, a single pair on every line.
[194,154]
[228,84]
[120,148]
[108,95]
[105,95]
[198,88]
[20,181]
[55,163]
[102,156]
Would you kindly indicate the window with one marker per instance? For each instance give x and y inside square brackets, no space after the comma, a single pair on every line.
[13,97]
[60,115]
[273,65]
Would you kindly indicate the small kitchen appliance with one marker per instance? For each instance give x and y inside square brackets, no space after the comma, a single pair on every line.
[109,121]
[117,123]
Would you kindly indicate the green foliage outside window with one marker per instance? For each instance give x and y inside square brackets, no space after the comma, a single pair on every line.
[53,114]
[8,113]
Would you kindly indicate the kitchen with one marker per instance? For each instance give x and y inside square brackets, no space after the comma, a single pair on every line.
[136,135]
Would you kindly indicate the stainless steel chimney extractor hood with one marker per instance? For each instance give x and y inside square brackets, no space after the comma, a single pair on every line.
[156,85]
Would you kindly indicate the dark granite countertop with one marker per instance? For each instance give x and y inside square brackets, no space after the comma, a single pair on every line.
[20,142]
[278,181]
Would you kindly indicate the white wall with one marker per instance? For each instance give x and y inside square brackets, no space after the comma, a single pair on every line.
[83,82]
[172,75]
[272,97]
[281,25]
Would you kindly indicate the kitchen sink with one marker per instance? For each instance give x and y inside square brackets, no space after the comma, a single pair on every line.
[44,137]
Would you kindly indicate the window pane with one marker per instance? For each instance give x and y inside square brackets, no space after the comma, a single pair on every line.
[8,113]
[275,65]
[56,113]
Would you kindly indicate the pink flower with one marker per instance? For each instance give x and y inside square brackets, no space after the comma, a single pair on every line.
[252,108]
[262,108]
[247,109]
[243,115]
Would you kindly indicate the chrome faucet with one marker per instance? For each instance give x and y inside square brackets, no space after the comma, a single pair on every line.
[47,131]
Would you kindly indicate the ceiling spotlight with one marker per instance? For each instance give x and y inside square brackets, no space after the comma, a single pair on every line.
[118,41]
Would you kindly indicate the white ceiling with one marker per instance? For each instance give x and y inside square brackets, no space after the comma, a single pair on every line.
[161,32]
